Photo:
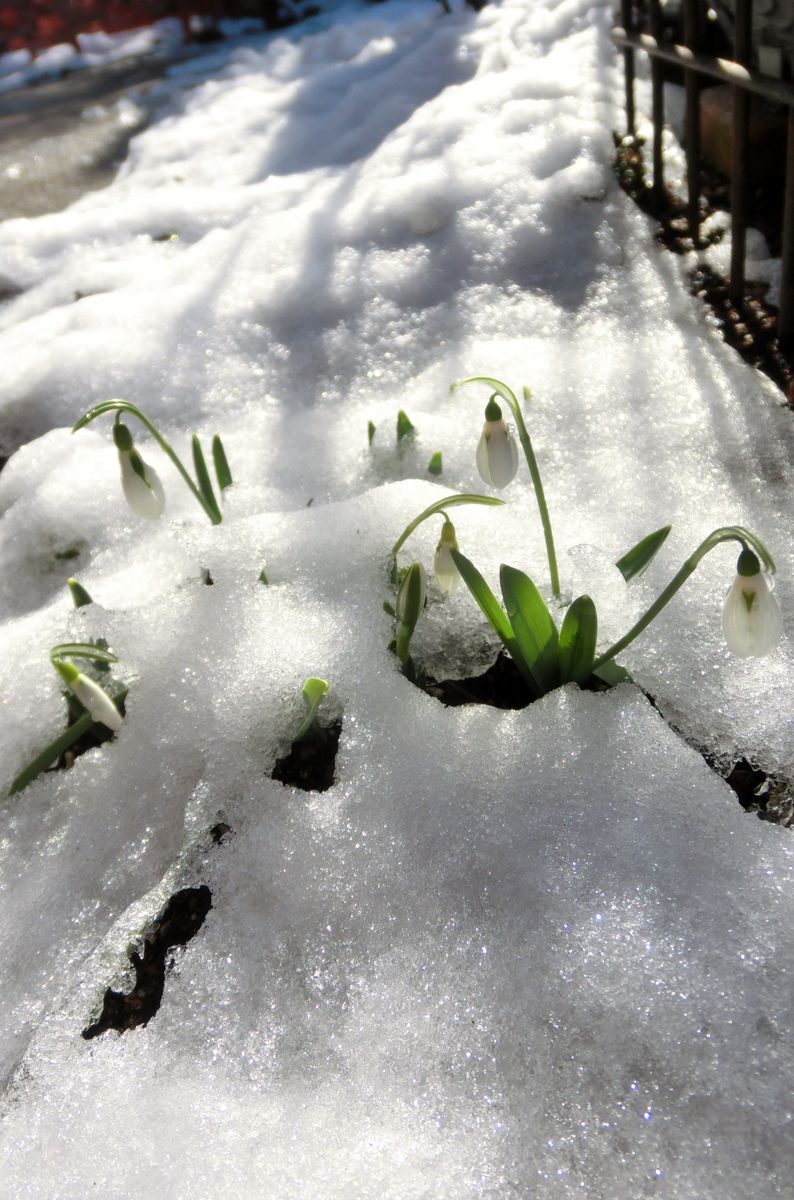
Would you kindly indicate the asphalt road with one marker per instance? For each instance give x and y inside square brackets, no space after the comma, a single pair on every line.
[61,138]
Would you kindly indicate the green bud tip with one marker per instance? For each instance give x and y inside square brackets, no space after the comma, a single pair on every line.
[67,671]
[448,537]
[492,410]
[122,437]
[80,596]
[748,563]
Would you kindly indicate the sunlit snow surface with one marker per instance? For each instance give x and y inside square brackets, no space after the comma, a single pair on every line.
[508,954]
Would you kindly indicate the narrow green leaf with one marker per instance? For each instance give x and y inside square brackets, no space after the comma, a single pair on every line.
[404,425]
[611,673]
[640,556]
[52,753]
[58,747]
[493,612]
[533,627]
[370,432]
[435,466]
[203,479]
[90,650]
[222,470]
[578,641]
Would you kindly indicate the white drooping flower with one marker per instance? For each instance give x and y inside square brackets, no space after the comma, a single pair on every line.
[751,617]
[140,483]
[446,573]
[497,452]
[91,696]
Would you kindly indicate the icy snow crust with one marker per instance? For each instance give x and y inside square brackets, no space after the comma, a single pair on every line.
[538,953]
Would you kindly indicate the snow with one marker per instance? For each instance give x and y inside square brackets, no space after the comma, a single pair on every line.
[508,953]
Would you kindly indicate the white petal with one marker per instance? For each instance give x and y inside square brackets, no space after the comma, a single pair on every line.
[497,454]
[145,501]
[755,631]
[446,573]
[483,465]
[98,703]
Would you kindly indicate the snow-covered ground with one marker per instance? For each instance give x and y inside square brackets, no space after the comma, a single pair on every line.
[508,954]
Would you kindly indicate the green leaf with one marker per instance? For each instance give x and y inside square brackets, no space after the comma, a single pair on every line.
[90,650]
[494,613]
[578,641]
[203,478]
[611,673]
[262,576]
[313,691]
[404,426]
[222,470]
[435,466]
[52,753]
[58,747]
[640,556]
[533,627]
[370,432]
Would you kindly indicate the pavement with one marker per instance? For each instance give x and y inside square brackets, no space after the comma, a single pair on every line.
[62,138]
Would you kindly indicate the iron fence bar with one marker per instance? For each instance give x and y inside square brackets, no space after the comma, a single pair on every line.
[723,69]
[785,319]
[742,51]
[692,123]
[657,109]
[628,67]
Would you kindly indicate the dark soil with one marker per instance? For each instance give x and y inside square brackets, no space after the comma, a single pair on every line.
[179,921]
[750,327]
[311,762]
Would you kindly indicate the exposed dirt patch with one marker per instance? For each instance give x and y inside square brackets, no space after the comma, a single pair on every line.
[179,921]
[311,762]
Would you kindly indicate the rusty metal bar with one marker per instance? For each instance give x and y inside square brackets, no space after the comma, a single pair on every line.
[692,123]
[723,69]
[785,319]
[742,51]
[628,68]
[657,110]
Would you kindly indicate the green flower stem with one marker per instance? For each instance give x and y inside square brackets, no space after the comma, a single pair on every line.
[118,406]
[438,507]
[727,533]
[509,397]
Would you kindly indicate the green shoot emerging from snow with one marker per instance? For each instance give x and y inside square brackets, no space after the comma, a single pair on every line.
[314,690]
[141,484]
[89,705]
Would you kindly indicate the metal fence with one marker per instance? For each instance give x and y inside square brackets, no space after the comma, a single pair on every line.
[641,30]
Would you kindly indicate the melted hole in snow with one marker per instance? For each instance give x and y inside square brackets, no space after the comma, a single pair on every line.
[179,921]
[311,762]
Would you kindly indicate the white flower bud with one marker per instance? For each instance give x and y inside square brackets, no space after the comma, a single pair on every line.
[141,485]
[91,696]
[751,617]
[497,452]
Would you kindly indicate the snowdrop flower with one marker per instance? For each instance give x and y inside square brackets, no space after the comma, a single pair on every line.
[90,695]
[140,483]
[446,573]
[751,618]
[497,452]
